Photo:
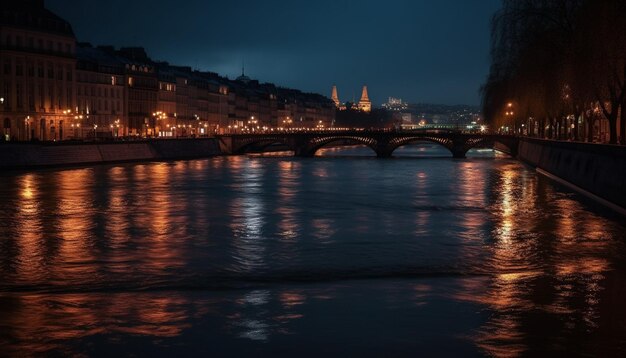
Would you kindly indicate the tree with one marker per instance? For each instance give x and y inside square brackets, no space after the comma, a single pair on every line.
[559,61]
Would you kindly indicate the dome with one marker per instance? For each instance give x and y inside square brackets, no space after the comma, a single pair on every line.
[243,78]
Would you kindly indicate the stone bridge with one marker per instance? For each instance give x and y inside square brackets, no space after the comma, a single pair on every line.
[383,142]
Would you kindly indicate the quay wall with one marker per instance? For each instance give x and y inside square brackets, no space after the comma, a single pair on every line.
[596,168]
[34,155]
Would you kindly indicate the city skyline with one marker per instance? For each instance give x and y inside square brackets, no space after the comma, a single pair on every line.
[312,179]
[346,46]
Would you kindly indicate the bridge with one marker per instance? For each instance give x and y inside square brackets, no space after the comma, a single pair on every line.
[383,142]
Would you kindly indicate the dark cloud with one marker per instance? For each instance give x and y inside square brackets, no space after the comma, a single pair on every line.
[426,51]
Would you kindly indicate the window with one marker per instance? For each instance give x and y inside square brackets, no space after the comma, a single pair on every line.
[6,95]
[40,70]
[42,98]
[40,44]
[19,95]
[130,81]
[50,97]
[50,71]
[7,67]
[19,69]
[31,97]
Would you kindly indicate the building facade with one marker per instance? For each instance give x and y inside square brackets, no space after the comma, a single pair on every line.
[100,93]
[37,82]
[53,88]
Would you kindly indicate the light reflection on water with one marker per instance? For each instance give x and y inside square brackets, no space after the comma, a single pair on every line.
[358,255]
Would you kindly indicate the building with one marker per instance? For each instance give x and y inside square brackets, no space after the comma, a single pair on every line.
[141,84]
[53,88]
[37,51]
[335,97]
[395,104]
[364,103]
[100,93]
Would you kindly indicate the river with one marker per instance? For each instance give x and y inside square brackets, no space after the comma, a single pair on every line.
[342,254]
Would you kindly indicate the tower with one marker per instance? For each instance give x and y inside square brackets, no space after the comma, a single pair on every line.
[243,78]
[364,103]
[335,97]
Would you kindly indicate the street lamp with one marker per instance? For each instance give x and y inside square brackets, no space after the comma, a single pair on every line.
[159,115]
[26,126]
[508,116]
[95,133]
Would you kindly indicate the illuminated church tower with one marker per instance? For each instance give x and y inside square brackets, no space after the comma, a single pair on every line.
[364,104]
[335,97]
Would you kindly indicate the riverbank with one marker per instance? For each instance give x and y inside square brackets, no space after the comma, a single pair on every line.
[595,169]
[55,154]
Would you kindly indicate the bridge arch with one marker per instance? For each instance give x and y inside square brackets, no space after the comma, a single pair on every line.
[396,143]
[317,143]
[261,143]
[510,144]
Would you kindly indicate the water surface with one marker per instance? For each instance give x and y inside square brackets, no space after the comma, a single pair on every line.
[342,254]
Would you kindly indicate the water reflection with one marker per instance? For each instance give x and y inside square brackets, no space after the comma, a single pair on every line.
[482,253]
[541,266]
[29,231]
[287,209]
[247,219]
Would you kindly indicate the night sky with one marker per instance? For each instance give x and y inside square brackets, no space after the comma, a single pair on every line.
[418,50]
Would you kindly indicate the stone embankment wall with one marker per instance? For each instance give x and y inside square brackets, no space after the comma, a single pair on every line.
[30,155]
[596,168]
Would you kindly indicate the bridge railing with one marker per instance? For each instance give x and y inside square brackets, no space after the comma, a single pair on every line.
[326,131]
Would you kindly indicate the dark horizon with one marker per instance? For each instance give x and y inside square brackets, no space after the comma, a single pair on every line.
[441,49]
